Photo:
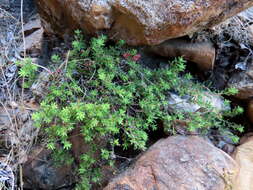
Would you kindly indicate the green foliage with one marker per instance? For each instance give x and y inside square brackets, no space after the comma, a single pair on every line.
[56,59]
[105,94]
[28,71]
[230,91]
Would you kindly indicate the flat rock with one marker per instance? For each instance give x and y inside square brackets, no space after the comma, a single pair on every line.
[179,163]
[185,103]
[33,43]
[201,53]
[32,26]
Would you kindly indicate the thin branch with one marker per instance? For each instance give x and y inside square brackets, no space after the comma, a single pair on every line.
[23,36]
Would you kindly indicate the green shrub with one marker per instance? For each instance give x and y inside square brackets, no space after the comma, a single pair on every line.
[28,71]
[102,90]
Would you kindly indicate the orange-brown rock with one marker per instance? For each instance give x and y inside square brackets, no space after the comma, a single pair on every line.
[179,163]
[243,155]
[250,111]
[139,22]
[201,53]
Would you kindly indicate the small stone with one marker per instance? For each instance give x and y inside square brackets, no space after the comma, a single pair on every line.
[13,104]
[228,148]
[33,43]
[32,26]
[185,158]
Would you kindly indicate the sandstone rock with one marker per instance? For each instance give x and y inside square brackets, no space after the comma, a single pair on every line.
[138,22]
[243,156]
[63,16]
[201,53]
[178,163]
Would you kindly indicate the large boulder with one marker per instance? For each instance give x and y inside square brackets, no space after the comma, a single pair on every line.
[179,163]
[138,22]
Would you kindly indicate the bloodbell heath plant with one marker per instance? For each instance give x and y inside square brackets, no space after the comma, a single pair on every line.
[109,97]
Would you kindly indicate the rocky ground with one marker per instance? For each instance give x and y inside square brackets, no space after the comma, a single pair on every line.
[219,56]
